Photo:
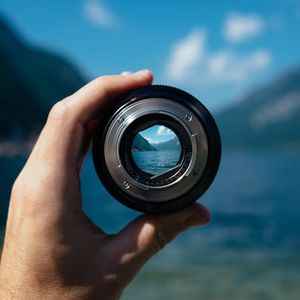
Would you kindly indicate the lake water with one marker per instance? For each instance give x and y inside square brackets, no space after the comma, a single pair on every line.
[156,162]
[249,251]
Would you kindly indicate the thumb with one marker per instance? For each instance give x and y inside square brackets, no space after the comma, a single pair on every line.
[146,235]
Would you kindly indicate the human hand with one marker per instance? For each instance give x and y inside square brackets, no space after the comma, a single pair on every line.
[52,250]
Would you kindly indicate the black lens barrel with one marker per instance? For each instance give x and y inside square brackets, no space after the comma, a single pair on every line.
[122,191]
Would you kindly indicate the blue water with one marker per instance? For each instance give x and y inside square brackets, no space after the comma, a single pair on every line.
[249,251]
[156,162]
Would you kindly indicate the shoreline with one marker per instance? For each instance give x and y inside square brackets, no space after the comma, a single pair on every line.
[11,148]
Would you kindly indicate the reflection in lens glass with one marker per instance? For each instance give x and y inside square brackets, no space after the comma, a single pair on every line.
[156,149]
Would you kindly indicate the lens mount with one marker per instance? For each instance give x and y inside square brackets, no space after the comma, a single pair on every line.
[177,187]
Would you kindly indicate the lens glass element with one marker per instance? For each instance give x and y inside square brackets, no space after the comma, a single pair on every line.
[156,150]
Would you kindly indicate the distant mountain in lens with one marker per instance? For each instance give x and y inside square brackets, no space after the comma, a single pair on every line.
[267,117]
[141,144]
[31,80]
[172,144]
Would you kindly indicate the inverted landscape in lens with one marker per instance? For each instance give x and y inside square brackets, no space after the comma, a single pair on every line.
[156,149]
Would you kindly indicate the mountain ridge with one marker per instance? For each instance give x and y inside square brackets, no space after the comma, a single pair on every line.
[141,144]
[172,144]
[32,79]
[267,117]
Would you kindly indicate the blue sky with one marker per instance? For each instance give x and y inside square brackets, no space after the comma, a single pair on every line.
[216,50]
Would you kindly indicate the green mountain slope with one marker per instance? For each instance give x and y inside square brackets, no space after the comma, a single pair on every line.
[267,117]
[31,80]
[141,144]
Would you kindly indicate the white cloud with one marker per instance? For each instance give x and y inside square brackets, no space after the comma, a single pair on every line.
[240,27]
[162,130]
[185,54]
[98,14]
[189,63]
[229,66]
[155,140]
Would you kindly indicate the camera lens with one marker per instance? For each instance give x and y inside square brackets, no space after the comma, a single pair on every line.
[157,150]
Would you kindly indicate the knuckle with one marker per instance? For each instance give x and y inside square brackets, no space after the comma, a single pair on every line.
[103,82]
[59,111]
[103,79]
[16,186]
[28,195]
[157,235]
[162,234]
[161,239]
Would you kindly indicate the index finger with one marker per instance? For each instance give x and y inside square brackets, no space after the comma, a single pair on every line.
[86,103]
[61,140]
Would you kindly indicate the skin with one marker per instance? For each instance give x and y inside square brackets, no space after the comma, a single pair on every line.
[52,250]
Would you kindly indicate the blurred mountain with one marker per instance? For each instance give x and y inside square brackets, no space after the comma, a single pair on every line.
[141,144]
[31,80]
[172,144]
[267,117]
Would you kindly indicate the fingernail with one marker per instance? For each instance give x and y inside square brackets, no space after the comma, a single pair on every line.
[126,73]
[142,72]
